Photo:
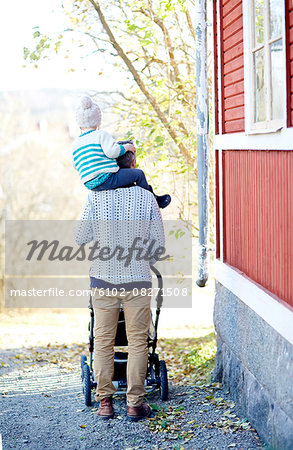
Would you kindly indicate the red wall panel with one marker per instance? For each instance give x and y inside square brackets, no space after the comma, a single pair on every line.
[232,66]
[289,52]
[258,217]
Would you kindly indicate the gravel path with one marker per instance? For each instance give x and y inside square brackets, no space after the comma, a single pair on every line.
[41,407]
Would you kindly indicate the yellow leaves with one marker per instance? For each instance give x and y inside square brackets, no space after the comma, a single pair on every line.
[63,356]
[228,414]
[74,20]
[219,402]
[26,52]
[231,405]
[227,424]
[188,359]
[167,420]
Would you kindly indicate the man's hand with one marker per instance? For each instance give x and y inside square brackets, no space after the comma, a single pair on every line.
[129,148]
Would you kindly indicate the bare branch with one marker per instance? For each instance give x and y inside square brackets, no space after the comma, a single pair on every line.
[189,21]
[184,49]
[174,64]
[166,34]
[149,59]
[141,85]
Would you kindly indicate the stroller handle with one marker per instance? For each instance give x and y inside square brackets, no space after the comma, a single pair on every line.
[160,286]
[159,276]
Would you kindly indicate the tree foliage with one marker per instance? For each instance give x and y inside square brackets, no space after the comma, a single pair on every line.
[151,45]
[153,41]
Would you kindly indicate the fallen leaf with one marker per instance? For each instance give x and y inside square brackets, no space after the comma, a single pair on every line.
[164,424]
[155,407]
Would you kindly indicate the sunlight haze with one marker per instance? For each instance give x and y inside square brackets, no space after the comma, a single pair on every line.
[16,31]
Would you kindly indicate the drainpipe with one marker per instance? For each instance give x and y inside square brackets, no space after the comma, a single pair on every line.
[202,137]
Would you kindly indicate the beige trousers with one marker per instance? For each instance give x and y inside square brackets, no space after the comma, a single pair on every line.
[137,318]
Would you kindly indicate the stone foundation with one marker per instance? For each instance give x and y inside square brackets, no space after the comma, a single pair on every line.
[256,364]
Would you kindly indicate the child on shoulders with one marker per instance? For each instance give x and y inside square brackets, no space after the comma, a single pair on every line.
[95,152]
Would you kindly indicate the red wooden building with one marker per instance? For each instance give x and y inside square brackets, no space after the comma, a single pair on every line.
[253,87]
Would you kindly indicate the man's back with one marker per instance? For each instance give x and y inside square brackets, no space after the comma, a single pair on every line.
[126,226]
[133,203]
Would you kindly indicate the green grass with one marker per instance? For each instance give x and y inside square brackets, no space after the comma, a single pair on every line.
[189,360]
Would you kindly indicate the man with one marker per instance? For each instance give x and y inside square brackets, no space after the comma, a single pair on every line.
[127,228]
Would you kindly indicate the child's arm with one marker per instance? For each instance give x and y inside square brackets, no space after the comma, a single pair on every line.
[111,148]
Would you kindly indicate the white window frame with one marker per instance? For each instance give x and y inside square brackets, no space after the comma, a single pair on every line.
[268,126]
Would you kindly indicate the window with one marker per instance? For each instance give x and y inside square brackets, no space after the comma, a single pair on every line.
[267,64]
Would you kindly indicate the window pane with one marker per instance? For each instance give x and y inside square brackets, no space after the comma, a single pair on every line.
[277,70]
[276,14]
[259,86]
[259,21]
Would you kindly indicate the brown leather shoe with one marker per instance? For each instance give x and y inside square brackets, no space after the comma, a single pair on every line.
[138,412]
[106,410]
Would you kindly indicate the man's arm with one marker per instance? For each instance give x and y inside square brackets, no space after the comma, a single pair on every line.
[83,232]
[157,234]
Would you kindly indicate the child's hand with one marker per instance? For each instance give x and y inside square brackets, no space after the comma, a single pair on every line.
[129,148]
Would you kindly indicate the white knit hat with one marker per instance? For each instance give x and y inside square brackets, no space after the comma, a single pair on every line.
[88,113]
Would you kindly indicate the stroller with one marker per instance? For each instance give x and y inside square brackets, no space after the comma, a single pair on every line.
[156,376]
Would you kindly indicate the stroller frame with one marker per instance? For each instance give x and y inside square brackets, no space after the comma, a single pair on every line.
[156,376]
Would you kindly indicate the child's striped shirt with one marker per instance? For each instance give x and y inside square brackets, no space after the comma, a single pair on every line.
[94,153]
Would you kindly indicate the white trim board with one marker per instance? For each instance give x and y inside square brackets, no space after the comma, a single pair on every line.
[279,140]
[219,67]
[266,306]
[221,206]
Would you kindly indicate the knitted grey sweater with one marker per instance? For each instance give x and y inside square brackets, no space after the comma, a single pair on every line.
[126,228]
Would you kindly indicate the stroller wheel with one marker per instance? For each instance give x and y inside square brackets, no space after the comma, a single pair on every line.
[87,385]
[164,381]
[82,361]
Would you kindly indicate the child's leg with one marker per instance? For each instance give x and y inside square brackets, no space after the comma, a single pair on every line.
[124,177]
